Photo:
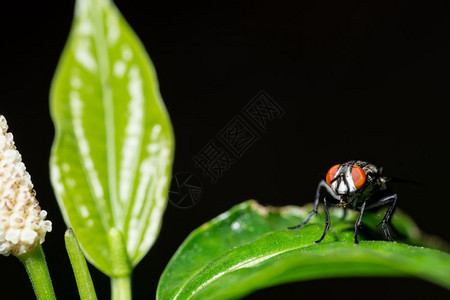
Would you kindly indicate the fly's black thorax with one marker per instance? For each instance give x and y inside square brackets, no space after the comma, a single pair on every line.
[355,199]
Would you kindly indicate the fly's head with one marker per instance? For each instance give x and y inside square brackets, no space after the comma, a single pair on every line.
[346,179]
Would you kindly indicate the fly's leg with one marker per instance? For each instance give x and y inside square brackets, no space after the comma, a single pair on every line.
[322,185]
[327,221]
[387,218]
[358,222]
[392,200]
[315,211]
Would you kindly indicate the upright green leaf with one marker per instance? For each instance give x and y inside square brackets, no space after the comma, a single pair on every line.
[249,248]
[79,266]
[112,155]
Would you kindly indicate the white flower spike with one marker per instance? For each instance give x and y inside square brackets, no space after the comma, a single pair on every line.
[22,222]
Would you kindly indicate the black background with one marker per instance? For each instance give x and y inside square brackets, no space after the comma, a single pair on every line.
[357,80]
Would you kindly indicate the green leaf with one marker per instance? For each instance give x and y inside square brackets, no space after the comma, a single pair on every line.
[249,248]
[112,155]
[80,269]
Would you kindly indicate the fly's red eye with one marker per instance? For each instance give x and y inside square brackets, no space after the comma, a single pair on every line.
[332,173]
[359,176]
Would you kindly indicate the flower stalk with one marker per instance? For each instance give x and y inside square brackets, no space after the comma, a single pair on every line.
[37,270]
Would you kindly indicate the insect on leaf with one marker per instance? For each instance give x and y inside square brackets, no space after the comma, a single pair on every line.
[112,155]
[248,248]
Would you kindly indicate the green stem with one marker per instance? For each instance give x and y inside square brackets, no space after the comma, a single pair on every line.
[37,270]
[121,288]
[79,266]
[120,265]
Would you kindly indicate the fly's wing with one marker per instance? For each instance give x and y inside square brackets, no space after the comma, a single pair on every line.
[392,179]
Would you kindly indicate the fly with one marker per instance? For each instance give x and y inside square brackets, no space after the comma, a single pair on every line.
[357,185]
